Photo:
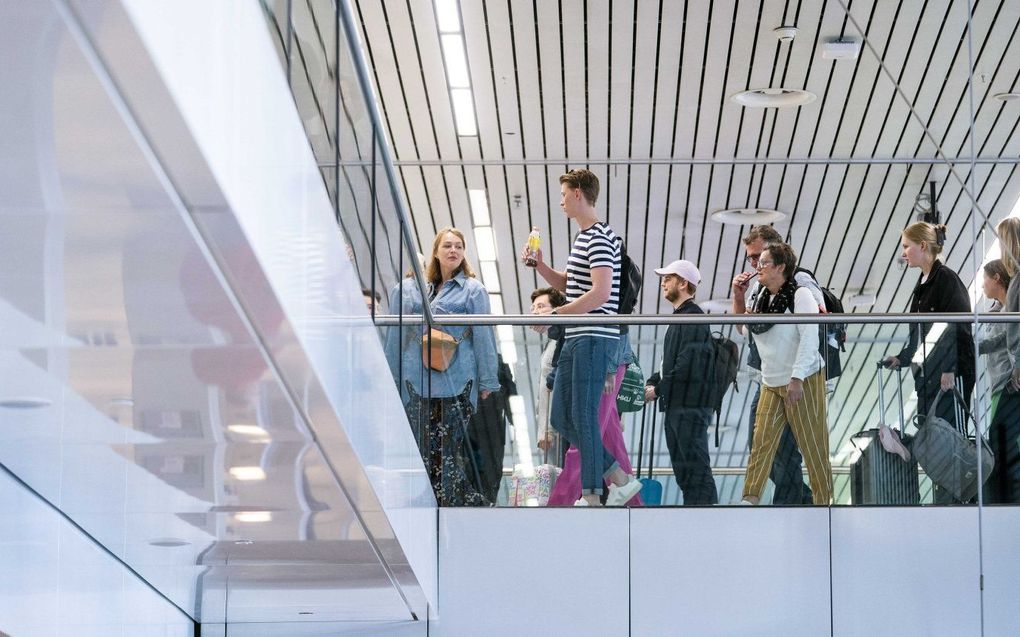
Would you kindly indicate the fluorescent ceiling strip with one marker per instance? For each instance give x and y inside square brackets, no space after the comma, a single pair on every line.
[447,16]
[485,243]
[456,61]
[509,352]
[522,435]
[495,304]
[464,111]
[490,276]
[479,207]
[248,473]
[505,333]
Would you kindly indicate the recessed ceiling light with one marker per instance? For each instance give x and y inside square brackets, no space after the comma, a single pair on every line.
[248,430]
[25,402]
[1007,97]
[248,473]
[123,401]
[747,216]
[774,97]
[786,33]
[862,299]
[254,516]
[169,542]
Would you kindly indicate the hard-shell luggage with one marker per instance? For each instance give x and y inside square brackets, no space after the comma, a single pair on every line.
[877,475]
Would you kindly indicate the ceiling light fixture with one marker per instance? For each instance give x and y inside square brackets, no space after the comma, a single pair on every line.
[747,216]
[447,16]
[777,97]
[456,62]
[490,276]
[862,299]
[841,50]
[25,402]
[785,33]
[485,244]
[495,304]
[1007,97]
[248,473]
[464,111]
[168,542]
[254,516]
[248,430]
[479,207]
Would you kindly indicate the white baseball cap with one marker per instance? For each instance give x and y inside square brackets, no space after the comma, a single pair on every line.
[684,269]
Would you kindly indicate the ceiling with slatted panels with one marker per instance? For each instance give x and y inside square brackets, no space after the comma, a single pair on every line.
[637,90]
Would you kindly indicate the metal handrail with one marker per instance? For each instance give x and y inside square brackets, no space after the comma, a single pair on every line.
[381,139]
[703,319]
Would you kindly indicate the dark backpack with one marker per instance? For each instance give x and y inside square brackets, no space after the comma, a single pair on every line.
[833,305]
[722,374]
[630,282]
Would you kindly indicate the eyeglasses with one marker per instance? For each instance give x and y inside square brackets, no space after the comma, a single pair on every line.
[752,258]
[763,264]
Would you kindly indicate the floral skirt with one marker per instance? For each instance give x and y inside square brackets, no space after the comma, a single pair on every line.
[440,428]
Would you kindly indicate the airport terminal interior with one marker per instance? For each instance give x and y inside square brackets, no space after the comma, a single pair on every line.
[278,355]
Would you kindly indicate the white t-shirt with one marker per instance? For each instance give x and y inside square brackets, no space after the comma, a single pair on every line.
[790,351]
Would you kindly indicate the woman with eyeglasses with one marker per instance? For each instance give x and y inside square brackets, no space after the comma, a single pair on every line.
[939,289]
[440,388]
[793,379]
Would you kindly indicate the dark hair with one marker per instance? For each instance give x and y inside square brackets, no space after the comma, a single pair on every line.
[782,254]
[368,292]
[585,180]
[996,269]
[556,298]
[768,235]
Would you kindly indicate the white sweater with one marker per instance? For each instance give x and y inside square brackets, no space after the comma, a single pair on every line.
[791,351]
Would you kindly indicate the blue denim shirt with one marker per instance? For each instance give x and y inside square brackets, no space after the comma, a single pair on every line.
[476,355]
[622,354]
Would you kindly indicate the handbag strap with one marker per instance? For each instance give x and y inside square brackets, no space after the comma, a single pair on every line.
[957,396]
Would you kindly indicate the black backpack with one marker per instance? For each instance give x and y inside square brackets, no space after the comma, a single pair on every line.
[833,305]
[722,375]
[630,285]
[630,282]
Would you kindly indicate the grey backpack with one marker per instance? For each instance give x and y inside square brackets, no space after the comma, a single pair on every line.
[948,456]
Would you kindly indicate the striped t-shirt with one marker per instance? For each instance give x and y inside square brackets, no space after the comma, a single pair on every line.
[596,247]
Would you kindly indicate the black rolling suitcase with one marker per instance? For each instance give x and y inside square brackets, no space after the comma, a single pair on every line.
[876,475]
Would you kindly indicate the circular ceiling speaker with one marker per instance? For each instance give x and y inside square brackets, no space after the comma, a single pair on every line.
[748,216]
[774,97]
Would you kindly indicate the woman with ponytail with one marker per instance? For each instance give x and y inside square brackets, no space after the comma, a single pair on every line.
[938,290]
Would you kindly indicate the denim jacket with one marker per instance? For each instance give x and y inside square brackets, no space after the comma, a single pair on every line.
[475,359]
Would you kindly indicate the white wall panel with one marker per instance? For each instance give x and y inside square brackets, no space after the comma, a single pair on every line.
[532,572]
[1001,557]
[729,571]
[905,571]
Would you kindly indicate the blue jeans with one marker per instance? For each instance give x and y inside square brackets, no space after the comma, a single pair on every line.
[687,439]
[574,412]
[787,469]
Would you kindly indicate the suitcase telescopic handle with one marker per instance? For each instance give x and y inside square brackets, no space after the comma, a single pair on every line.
[881,395]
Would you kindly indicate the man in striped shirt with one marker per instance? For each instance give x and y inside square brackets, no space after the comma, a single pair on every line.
[591,284]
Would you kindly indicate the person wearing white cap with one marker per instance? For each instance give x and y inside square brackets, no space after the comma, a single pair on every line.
[681,387]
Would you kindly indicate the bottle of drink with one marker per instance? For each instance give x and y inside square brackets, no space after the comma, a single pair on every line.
[534,244]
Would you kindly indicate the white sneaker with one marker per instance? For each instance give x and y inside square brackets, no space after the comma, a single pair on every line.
[746,503]
[581,503]
[619,496]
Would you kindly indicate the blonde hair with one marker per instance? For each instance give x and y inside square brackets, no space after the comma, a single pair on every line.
[1009,238]
[433,273]
[924,232]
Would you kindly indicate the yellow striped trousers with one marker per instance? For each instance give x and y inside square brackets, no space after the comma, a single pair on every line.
[810,429]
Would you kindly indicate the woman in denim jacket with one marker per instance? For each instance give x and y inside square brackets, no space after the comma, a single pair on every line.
[440,404]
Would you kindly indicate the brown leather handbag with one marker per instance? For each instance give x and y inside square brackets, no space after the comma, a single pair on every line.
[439,348]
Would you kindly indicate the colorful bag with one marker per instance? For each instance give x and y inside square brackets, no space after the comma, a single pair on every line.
[632,390]
[439,348]
[532,489]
